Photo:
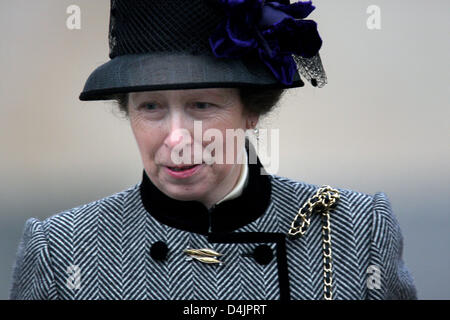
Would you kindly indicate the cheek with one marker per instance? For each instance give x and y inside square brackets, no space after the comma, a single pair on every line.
[221,171]
[227,153]
[147,139]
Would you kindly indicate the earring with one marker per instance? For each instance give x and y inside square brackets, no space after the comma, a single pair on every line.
[256,133]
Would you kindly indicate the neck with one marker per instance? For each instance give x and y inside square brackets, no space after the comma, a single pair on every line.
[229,185]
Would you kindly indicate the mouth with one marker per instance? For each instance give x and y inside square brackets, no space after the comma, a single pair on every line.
[183,171]
[182,168]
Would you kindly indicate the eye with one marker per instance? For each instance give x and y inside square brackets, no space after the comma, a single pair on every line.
[203,105]
[148,106]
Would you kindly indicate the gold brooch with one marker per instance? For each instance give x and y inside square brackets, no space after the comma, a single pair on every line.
[203,255]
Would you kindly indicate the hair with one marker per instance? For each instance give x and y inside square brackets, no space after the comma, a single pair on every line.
[257,101]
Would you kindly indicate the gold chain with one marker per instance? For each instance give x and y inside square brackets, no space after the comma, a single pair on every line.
[324,199]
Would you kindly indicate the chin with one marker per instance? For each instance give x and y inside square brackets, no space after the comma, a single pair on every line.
[182,193]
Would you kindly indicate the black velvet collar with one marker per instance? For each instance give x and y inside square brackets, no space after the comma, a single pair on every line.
[226,216]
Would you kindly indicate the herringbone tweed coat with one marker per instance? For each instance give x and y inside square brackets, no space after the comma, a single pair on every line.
[106,249]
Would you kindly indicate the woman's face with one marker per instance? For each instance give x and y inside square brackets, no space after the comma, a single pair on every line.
[158,117]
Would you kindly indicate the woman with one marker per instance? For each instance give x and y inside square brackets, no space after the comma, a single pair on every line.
[198,228]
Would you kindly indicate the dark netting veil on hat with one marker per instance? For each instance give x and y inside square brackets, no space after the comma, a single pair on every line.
[187,44]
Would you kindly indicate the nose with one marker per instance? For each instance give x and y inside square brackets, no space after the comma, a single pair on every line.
[178,132]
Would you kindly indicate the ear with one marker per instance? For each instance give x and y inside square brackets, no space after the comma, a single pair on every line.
[252,121]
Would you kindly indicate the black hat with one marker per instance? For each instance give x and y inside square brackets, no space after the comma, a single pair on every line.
[188,44]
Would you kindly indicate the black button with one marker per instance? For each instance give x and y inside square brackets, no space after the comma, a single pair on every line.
[263,254]
[159,250]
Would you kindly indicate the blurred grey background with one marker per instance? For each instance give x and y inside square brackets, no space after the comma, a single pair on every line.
[381,124]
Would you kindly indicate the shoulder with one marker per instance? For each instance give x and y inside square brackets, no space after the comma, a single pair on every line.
[46,243]
[90,210]
[377,207]
[351,201]
[366,214]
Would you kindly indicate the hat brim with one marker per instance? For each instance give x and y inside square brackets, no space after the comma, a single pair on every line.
[162,71]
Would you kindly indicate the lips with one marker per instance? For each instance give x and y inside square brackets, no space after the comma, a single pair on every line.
[181,168]
[182,172]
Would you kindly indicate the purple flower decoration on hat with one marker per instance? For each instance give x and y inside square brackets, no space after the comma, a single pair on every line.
[274,30]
